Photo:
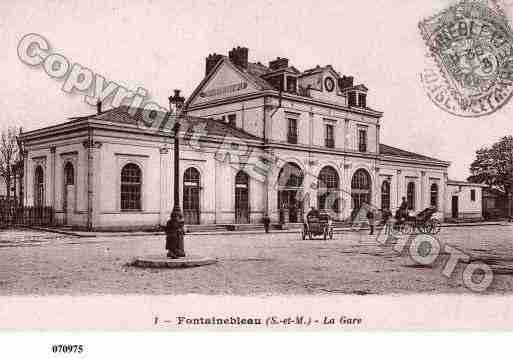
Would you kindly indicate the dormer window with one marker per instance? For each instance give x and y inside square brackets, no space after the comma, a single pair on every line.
[351,99]
[291,84]
[277,81]
[362,100]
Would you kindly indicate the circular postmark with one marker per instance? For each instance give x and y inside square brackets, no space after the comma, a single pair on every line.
[469,67]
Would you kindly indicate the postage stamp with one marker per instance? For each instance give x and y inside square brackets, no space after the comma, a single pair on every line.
[469,65]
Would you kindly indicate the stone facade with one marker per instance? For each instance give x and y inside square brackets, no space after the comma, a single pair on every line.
[267,122]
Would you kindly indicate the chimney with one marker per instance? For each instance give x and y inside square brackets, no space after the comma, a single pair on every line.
[98,107]
[211,61]
[345,82]
[176,102]
[279,63]
[239,56]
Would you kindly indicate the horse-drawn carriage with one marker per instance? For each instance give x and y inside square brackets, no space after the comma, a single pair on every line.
[424,222]
[317,224]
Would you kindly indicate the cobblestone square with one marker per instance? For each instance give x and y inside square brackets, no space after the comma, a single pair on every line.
[43,263]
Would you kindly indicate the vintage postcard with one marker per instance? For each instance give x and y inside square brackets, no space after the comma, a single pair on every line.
[227,165]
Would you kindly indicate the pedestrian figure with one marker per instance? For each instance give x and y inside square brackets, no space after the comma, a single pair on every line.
[267,222]
[370,217]
[386,220]
[402,212]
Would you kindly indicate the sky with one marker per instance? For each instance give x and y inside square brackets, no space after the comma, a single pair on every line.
[161,45]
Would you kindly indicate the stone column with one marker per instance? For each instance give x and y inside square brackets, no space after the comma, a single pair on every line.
[26,177]
[399,190]
[442,200]
[309,186]
[378,127]
[423,191]
[164,171]
[96,183]
[346,191]
[53,182]
[311,135]
[346,134]
[272,191]
[377,189]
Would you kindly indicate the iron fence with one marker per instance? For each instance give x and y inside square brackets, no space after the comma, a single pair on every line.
[11,214]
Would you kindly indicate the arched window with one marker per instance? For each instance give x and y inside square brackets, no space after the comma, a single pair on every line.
[39,187]
[191,195]
[360,188]
[410,195]
[290,175]
[328,178]
[131,180]
[434,195]
[328,193]
[385,195]
[241,179]
[69,174]
[191,177]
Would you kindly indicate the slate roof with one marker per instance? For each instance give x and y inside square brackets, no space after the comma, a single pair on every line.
[397,152]
[143,118]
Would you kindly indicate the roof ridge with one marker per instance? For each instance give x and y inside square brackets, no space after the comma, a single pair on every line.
[405,152]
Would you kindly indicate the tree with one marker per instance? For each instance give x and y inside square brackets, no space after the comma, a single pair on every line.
[9,154]
[494,167]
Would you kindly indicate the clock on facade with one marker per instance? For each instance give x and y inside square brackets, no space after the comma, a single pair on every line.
[329,84]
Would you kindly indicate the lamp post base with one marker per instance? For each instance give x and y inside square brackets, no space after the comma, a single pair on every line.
[174,235]
[160,261]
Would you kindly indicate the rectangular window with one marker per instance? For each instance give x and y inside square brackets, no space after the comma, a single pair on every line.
[329,139]
[362,140]
[472,194]
[362,100]
[291,84]
[351,99]
[232,119]
[292,131]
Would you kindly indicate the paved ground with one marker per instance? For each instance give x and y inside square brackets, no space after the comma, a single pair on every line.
[40,263]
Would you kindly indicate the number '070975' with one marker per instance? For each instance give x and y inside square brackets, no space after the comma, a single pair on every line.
[68,348]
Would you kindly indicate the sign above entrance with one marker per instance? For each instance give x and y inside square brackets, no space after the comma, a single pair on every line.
[225,90]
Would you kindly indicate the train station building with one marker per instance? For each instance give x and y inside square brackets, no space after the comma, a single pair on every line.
[254,138]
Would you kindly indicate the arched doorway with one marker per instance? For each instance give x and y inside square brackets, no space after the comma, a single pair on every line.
[241,197]
[191,196]
[290,191]
[360,188]
[328,190]
[69,191]
[39,187]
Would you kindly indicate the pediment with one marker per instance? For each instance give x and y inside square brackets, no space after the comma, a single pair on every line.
[224,82]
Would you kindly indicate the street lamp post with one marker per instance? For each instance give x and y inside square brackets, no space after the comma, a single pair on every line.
[175,224]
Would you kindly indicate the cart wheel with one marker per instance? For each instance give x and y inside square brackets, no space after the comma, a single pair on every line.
[436,226]
[412,228]
[406,228]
